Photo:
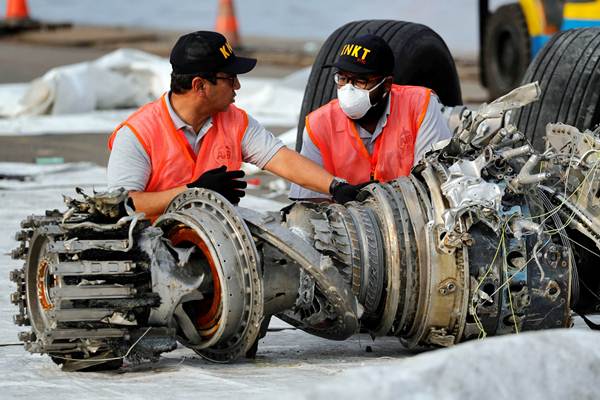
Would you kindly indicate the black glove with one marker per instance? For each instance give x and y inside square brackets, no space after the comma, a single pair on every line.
[224,182]
[343,192]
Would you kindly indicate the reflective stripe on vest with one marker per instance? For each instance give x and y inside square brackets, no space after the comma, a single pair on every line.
[344,153]
[172,158]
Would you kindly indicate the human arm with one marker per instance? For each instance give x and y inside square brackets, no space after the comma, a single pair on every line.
[300,170]
[433,129]
[218,179]
[154,203]
[261,148]
[129,167]
[312,152]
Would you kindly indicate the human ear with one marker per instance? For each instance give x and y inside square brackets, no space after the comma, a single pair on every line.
[388,82]
[198,84]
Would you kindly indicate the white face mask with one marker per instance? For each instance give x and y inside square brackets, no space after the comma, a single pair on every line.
[355,102]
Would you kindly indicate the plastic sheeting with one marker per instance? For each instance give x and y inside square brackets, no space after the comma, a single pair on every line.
[125,78]
[290,364]
[554,364]
[85,123]
[93,97]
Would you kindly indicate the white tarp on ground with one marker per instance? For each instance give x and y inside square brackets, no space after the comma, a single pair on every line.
[93,97]
[290,363]
[557,364]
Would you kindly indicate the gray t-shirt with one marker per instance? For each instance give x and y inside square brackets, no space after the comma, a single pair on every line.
[129,165]
[433,129]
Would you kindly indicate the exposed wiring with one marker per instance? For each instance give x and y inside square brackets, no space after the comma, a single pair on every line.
[572,216]
[564,239]
[584,156]
[584,247]
[473,308]
[510,302]
[95,360]
[518,270]
[557,208]
[571,156]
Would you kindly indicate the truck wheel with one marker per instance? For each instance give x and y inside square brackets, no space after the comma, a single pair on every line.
[506,50]
[568,71]
[422,59]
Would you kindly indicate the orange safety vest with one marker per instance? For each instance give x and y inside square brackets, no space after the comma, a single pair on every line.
[173,160]
[344,153]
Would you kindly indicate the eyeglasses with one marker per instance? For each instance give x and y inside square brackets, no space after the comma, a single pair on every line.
[230,78]
[357,82]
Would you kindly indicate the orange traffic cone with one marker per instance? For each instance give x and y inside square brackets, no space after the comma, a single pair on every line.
[17,10]
[227,23]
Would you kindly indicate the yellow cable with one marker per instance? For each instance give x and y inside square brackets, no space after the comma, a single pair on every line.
[520,268]
[572,216]
[512,310]
[482,332]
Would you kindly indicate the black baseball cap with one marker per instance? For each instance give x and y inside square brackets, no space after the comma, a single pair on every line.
[366,54]
[207,52]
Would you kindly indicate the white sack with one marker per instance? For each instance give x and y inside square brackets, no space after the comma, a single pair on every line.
[123,78]
[551,364]
[126,79]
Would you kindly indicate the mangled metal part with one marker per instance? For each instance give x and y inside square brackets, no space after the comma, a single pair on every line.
[108,205]
[335,314]
[469,245]
[466,191]
[579,152]
[516,98]
[476,129]
[231,324]
[83,303]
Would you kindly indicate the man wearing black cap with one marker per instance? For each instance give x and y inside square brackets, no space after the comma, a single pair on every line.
[193,136]
[374,129]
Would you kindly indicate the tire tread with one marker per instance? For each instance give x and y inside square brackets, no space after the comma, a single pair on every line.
[568,71]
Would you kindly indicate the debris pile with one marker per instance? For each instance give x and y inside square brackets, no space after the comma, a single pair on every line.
[487,236]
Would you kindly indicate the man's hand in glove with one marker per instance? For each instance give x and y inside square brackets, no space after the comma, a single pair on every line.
[343,192]
[223,182]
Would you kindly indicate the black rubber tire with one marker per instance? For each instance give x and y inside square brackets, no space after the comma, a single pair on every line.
[422,59]
[506,50]
[568,71]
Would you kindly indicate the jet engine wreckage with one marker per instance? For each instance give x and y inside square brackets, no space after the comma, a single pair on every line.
[483,238]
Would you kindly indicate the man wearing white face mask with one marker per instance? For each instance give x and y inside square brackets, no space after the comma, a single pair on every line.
[374,130]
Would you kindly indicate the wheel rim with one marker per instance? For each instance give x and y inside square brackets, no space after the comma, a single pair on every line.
[209,316]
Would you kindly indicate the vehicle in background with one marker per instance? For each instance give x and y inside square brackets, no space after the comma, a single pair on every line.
[512,35]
